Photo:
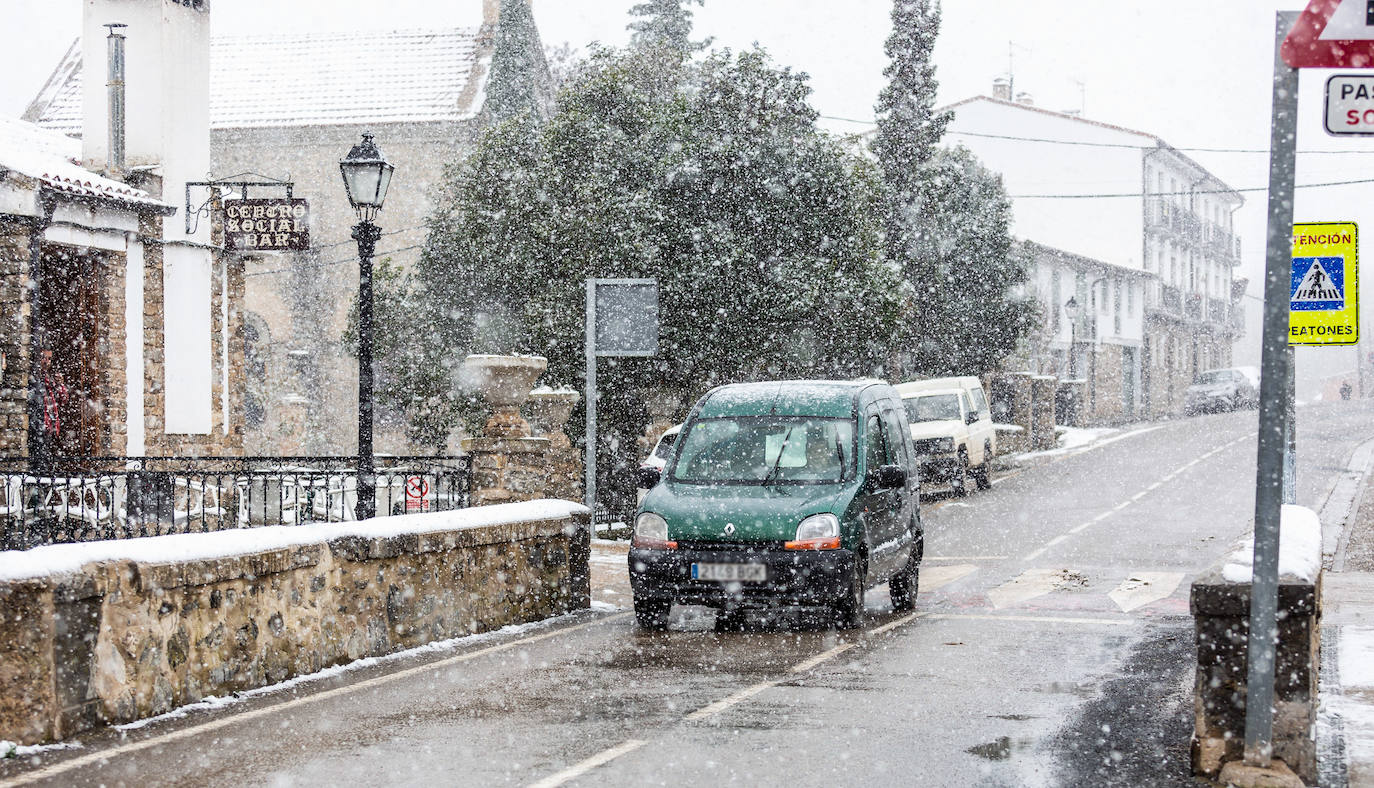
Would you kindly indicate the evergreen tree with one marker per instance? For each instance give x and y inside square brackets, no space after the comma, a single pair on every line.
[667,25]
[909,129]
[518,82]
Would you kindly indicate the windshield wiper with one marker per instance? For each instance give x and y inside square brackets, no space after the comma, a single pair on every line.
[777,463]
[839,452]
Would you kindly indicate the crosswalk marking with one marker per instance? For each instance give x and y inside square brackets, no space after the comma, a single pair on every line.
[932,577]
[1142,588]
[1027,586]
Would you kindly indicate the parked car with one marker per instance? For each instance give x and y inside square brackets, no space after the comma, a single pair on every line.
[663,449]
[953,431]
[1221,389]
[785,493]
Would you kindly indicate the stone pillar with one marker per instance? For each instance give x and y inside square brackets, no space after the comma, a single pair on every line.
[508,464]
[1221,616]
[1042,412]
[548,412]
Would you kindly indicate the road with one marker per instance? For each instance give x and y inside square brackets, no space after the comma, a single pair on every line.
[1051,645]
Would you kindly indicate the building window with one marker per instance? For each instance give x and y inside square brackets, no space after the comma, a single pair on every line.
[1055,306]
[1130,299]
[1116,307]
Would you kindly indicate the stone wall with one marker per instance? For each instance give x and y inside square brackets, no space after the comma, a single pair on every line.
[127,638]
[14,337]
[1221,611]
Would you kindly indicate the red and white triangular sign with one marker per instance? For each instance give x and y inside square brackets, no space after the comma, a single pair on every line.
[1332,34]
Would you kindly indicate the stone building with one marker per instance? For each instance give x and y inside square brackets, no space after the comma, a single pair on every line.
[104,292]
[287,108]
[1147,242]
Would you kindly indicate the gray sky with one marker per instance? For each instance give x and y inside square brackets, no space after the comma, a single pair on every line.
[1196,73]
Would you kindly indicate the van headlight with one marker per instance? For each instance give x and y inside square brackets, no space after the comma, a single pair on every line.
[817,532]
[651,530]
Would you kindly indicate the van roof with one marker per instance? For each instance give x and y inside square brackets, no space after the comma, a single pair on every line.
[959,382]
[823,398]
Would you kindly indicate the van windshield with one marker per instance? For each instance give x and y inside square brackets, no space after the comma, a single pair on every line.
[766,449]
[932,407]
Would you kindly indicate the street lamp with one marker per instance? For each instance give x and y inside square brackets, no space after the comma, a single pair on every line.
[1072,309]
[366,176]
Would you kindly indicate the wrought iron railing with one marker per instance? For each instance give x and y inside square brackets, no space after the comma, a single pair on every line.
[75,499]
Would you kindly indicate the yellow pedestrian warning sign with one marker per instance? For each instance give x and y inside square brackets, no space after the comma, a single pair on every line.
[1324,304]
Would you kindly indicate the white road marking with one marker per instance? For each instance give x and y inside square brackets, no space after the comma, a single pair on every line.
[932,577]
[1142,588]
[1032,619]
[1080,527]
[223,722]
[581,768]
[1027,586]
[807,664]
[964,558]
[892,624]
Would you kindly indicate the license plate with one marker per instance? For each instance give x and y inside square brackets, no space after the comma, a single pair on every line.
[747,573]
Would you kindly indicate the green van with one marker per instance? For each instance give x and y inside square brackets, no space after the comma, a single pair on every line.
[781,493]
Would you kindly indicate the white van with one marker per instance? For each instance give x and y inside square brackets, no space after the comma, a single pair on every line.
[953,432]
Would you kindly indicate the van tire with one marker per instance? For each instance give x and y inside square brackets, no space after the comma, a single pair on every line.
[959,482]
[652,614]
[983,476]
[904,585]
[849,608]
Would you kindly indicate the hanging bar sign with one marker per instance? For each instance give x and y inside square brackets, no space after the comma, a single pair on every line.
[266,225]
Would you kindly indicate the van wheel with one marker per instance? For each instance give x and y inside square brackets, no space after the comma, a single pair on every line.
[849,608]
[904,585]
[652,614]
[961,473]
[983,476]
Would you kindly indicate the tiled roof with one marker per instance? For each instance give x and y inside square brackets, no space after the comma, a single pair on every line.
[51,157]
[316,79]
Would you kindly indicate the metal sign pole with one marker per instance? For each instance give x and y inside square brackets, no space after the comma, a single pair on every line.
[1274,409]
[590,460]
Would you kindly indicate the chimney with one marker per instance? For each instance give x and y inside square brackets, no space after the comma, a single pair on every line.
[1025,99]
[165,84]
[115,85]
[1001,88]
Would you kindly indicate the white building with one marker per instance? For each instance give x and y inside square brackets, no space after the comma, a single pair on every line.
[1129,226]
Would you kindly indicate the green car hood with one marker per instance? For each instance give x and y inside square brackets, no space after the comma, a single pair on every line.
[759,513]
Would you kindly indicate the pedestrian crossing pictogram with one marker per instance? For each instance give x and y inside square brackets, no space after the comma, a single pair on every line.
[1318,284]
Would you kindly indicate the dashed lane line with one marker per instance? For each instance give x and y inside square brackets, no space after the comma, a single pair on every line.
[582,767]
[1039,551]
[235,719]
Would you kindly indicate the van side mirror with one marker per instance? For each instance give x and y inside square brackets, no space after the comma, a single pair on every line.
[888,477]
[648,478]
[971,418]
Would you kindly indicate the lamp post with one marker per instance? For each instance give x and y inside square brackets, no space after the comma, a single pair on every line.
[1071,308]
[366,176]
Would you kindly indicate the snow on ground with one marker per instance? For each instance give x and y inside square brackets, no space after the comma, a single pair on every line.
[9,749]
[1300,548]
[65,558]
[438,646]
[1356,665]
[1075,439]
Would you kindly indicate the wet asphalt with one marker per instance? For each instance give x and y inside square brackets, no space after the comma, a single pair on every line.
[997,679]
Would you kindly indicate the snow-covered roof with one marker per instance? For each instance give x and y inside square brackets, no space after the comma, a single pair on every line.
[51,158]
[313,79]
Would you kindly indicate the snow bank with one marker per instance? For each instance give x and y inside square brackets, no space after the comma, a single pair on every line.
[67,558]
[1300,548]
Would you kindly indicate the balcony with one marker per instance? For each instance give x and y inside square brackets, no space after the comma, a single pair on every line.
[1192,307]
[1216,310]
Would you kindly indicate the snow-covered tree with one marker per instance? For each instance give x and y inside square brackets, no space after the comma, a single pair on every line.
[946,219]
[909,128]
[518,82]
[965,278]
[665,24]
[762,231]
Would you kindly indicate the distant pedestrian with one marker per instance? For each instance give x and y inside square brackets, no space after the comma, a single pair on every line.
[1346,390]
